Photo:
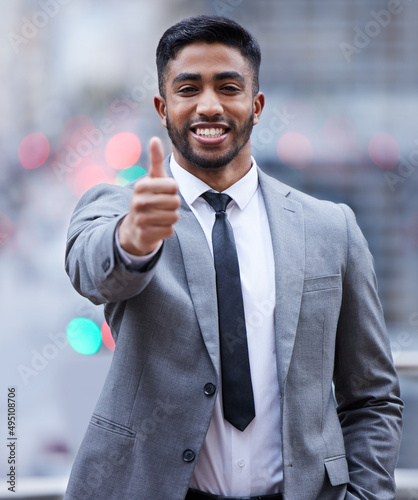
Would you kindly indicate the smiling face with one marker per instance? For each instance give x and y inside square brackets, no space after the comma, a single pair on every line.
[209,108]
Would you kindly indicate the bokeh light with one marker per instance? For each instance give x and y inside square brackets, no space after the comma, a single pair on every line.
[88,174]
[6,228]
[295,150]
[75,125]
[123,150]
[84,336]
[384,150]
[33,150]
[107,337]
[81,140]
[129,174]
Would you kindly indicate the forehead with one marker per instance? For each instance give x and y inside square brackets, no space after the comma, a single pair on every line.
[208,59]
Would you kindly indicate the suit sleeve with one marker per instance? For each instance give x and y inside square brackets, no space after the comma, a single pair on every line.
[92,262]
[366,383]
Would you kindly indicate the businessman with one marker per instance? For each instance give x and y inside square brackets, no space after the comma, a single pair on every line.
[251,355]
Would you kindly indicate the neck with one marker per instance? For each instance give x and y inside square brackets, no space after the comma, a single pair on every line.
[220,178]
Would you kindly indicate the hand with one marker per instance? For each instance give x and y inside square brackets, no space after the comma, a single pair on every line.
[153,209]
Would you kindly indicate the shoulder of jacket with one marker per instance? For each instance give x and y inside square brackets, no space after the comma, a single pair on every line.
[309,203]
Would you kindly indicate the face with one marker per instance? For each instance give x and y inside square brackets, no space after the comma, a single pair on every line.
[209,109]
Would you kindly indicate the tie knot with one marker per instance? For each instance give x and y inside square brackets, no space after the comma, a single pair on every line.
[218,201]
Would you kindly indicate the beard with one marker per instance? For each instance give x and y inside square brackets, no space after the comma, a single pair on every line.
[180,139]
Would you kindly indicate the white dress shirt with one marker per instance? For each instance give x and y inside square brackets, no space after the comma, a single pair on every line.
[231,462]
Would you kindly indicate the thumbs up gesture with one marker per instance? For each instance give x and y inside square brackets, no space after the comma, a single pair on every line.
[153,209]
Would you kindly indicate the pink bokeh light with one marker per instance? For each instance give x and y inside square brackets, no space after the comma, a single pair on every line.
[107,336]
[295,150]
[123,150]
[384,150]
[74,124]
[33,150]
[6,228]
[88,174]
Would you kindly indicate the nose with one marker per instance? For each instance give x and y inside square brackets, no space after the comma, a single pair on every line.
[209,104]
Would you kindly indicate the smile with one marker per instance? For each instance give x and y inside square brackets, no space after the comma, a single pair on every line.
[211,133]
[208,134]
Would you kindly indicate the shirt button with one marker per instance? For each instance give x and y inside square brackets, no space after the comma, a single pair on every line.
[209,389]
[241,463]
[188,455]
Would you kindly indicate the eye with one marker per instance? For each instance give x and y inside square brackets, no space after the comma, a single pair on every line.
[187,90]
[230,88]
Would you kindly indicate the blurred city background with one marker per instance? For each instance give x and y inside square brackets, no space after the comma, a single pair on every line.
[77,80]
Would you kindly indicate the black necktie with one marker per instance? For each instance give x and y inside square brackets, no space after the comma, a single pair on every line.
[237,391]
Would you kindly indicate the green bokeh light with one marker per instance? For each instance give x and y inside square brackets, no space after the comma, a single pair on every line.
[84,335]
[130,174]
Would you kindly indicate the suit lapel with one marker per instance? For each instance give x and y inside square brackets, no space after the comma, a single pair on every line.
[200,273]
[287,231]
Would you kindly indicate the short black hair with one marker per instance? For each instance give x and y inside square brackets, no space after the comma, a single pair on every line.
[208,29]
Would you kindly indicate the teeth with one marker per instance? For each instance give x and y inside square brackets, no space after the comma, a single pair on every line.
[211,133]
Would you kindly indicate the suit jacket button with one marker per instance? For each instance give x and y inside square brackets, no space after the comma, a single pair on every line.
[106,264]
[209,389]
[188,455]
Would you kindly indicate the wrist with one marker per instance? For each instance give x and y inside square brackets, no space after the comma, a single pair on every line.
[125,242]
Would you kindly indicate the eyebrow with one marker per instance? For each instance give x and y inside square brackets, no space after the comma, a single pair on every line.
[229,75]
[197,77]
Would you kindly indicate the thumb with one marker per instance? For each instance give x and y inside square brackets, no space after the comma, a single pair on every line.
[156,158]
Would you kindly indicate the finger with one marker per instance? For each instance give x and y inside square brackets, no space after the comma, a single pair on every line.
[147,184]
[156,158]
[152,235]
[157,218]
[155,202]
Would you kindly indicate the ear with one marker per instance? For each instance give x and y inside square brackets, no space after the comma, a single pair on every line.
[161,107]
[258,106]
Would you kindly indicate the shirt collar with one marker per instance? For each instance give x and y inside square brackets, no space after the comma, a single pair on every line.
[192,188]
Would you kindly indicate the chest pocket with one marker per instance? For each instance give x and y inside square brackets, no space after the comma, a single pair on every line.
[322,283]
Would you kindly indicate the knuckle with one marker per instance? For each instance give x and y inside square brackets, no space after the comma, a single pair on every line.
[141,185]
[171,184]
[170,231]
[171,217]
[141,220]
[141,202]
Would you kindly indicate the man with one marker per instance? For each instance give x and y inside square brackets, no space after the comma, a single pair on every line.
[233,315]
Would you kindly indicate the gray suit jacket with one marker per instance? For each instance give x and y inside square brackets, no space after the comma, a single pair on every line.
[154,411]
